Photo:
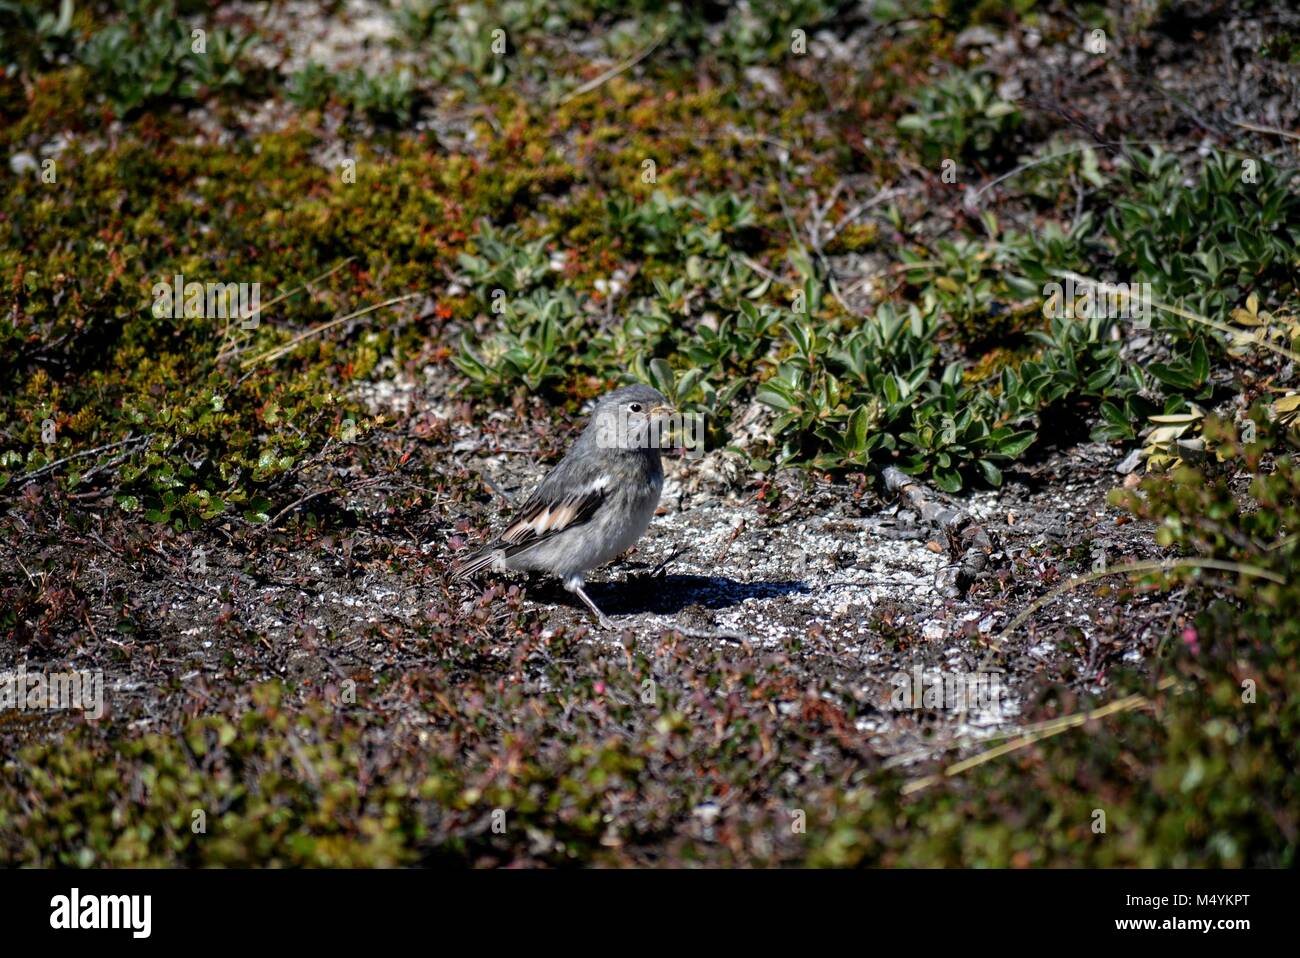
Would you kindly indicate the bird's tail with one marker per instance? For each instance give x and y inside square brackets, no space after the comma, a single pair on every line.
[480,559]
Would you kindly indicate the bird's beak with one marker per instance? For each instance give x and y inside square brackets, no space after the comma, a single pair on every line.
[663,412]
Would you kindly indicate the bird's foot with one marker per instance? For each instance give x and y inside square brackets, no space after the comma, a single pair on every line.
[601,617]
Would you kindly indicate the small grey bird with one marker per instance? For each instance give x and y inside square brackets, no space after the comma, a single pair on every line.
[596,503]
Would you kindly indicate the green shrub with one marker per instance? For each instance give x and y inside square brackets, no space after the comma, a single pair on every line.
[960,117]
[151,57]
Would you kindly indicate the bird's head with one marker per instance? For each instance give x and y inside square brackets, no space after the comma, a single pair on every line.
[633,417]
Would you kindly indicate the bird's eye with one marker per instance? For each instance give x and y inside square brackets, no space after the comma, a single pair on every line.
[635,407]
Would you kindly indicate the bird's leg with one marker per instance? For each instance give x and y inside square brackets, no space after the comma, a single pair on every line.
[575,586]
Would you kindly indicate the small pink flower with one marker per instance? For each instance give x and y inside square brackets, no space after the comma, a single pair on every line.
[600,688]
[1191,640]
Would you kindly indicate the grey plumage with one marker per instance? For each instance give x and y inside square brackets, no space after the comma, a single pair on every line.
[595,504]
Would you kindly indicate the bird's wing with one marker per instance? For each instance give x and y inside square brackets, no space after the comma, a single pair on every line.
[548,512]
[567,498]
[547,515]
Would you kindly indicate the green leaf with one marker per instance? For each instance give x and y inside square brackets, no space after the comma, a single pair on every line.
[661,376]
[1200,361]
[775,394]
[856,433]
[1172,376]
[947,480]
[1016,443]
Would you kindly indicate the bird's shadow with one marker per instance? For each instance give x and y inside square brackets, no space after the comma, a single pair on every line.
[669,594]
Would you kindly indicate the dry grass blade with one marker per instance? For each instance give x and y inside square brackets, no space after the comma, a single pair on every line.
[288,347]
[613,71]
[1255,127]
[227,345]
[1227,330]
[1038,733]
[1154,565]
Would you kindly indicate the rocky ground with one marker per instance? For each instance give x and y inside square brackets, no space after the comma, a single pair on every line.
[296,662]
[860,585]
